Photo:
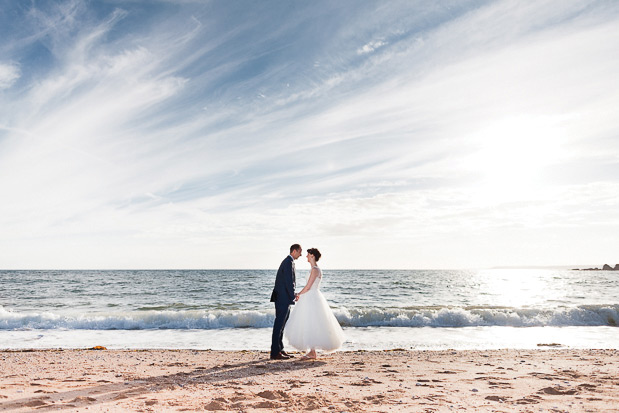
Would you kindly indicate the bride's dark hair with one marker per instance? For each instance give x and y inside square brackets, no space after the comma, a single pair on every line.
[315,253]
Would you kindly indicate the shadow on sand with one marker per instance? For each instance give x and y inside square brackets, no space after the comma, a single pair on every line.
[104,393]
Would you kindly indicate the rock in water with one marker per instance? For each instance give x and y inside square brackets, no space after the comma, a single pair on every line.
[616,267]
[607,267]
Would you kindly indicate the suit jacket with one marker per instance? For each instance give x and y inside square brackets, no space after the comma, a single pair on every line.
[285,282]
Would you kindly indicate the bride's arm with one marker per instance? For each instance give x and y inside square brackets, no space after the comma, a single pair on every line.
[312,278]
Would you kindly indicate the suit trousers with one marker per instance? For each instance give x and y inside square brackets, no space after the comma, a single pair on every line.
[282,311]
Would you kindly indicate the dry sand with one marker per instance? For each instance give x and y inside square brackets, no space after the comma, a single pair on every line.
[378,381]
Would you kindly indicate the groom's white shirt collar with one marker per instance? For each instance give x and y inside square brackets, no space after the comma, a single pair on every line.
[290,255]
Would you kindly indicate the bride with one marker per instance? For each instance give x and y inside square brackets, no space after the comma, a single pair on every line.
[312,325]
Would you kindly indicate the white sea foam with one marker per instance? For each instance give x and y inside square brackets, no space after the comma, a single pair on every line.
[592,315]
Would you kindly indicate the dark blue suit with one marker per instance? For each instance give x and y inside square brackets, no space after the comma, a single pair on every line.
[283,297]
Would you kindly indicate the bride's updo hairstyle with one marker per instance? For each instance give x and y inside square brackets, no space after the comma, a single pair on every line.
[315,253]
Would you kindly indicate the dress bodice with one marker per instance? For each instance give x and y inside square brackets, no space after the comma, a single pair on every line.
[318,279]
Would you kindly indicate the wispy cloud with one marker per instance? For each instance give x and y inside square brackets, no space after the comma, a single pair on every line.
[371,46]
[9,73]
[136,136]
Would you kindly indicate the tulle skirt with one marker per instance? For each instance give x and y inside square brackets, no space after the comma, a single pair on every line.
[312,325]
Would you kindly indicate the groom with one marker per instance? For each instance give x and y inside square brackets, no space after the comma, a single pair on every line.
[283,296]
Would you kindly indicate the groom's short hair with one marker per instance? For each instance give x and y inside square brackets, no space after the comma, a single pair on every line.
[294,247]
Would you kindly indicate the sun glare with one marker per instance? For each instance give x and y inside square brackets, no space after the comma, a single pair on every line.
[511,156]
[517,287]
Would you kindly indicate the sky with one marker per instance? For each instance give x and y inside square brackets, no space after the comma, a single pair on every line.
[146,134]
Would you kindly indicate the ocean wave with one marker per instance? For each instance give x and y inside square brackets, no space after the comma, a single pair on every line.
[590,315]
[138,320]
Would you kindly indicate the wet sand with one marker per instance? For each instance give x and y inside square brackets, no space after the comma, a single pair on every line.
[376,381]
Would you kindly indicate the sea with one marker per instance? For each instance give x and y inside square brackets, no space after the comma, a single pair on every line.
[378,309]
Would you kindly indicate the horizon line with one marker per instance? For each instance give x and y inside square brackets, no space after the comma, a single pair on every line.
[522,267]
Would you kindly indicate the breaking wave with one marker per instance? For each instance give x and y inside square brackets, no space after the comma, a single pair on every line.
[586,315]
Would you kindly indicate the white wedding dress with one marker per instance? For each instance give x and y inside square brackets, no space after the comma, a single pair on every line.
[311,324]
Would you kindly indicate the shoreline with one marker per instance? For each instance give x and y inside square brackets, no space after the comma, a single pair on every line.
[357,338]
[377,381]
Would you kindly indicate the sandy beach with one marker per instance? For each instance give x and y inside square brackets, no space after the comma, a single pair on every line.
[379,381]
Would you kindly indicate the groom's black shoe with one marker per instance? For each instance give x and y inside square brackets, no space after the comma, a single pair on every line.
[279,356]
[283,353]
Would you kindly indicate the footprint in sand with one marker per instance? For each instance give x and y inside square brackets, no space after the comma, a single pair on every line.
[265,405]
[573,374]
[83,399]
[215,405]
[177,364]
[36,403]
[487,378]
[557,391]
[497,398]
[377,399]
[273,395]
[297,383]
[314,403]
[527,400]
[366,382]
[543,376]
[500,384]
